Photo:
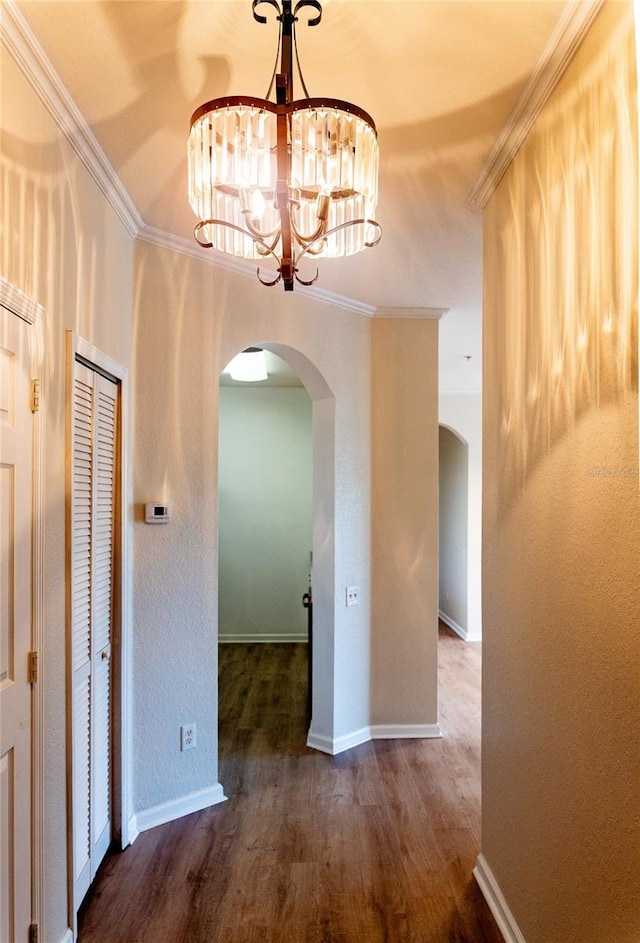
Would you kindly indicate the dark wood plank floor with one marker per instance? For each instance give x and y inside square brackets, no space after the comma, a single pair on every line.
[376,845]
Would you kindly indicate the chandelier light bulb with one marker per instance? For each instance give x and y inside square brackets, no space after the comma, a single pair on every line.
[257,204]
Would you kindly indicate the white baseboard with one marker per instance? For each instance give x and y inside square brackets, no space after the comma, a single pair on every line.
[335,745]
[497,904]
[455,627]
[175,809]
[132,832]
[406,732]
[67,936]
[251,638]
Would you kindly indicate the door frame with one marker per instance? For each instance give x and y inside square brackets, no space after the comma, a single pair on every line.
[321,733]
[18,303]
[460,630]
[78,349]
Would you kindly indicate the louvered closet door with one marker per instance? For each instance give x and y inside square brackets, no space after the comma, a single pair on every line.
[95,405]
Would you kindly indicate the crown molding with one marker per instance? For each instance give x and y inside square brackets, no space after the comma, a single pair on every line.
[432,314]
[21,43]
[190,247]
[563,44]
[15,300]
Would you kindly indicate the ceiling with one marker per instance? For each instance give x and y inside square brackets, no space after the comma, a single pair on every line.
[439,77]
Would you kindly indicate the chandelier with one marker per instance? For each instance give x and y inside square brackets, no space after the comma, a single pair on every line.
[287,179]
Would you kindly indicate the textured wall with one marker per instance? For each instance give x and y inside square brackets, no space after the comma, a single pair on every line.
[561,651]
[265,512]
[62,245]
[191,319]
[404,623]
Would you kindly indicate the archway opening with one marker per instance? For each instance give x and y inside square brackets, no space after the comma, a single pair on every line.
[275,520]
[453,530]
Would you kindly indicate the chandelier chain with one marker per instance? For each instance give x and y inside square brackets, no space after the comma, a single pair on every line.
[275,64]
[295,46]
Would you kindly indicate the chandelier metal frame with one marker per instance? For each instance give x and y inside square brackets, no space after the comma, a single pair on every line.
[303,217]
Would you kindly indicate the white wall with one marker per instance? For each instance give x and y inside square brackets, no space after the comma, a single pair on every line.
[453,530]
[462,413]
[265,513]
[191,318]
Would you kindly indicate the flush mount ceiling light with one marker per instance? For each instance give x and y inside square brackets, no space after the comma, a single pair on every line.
[285,179]
[249,366]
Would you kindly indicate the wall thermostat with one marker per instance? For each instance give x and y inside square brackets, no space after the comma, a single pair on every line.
[157,513]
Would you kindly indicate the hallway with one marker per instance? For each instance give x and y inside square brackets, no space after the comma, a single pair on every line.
[376,845]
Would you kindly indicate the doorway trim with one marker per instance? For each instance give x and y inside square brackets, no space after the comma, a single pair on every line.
[321,735]
[80,349]
[23,306]
[461,424]
[461,630]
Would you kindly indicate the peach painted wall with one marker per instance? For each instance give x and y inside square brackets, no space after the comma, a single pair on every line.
[561,563]
[404,615]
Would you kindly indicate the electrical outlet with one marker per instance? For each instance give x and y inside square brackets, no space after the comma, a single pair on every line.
[188,737]
[352,596]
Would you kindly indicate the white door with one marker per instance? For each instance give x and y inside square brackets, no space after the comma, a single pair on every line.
[94,468]
[15,628]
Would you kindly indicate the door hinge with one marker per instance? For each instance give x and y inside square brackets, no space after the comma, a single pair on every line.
[35,396]
[33,667]
[33,933]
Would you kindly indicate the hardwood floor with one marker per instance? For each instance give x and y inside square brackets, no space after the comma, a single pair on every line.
[376,845]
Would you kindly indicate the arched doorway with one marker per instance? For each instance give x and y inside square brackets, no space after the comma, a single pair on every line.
[264,505]
[321,544]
